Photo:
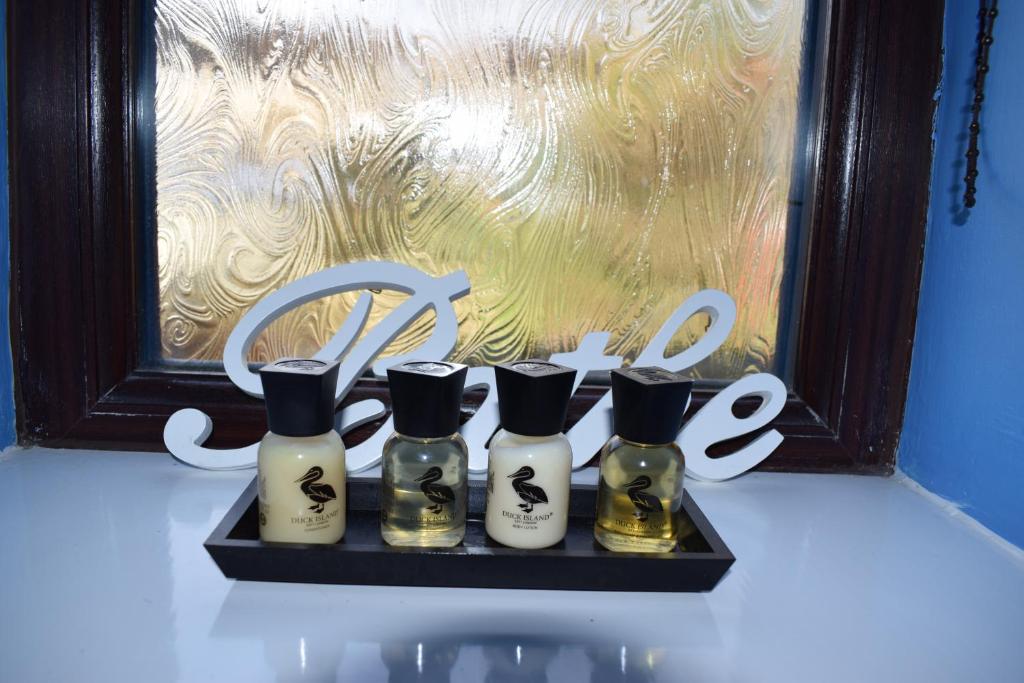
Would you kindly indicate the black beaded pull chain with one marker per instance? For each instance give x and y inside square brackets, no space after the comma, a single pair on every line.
[987,19]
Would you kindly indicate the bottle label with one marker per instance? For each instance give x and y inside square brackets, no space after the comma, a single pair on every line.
[533,500]
[632,510]
[264,508]
[640,526]
[318,494]
[525,520]
[438,497]
[644,504]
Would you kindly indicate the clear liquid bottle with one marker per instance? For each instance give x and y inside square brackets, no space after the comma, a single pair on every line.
[641,486]
[301,460]
[425,462]
[530,460]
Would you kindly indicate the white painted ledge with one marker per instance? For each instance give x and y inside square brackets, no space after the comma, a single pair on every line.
[837,578]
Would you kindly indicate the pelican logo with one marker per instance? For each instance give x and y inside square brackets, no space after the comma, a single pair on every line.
[654,374]
[643,502]
[316,491]
[428,368]
[535,368]
[301,364]
[530,493]
[437,494]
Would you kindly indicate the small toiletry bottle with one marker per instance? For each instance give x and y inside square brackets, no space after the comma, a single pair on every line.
[301,461]
[424,465]
[642,468]
[530,460]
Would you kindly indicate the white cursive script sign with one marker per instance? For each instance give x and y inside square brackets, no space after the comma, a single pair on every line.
[186,430]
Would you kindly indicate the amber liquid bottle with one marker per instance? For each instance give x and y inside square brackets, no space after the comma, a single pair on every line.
[641,486]
[425,462]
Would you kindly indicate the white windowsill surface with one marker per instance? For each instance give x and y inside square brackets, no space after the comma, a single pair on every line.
[103,577]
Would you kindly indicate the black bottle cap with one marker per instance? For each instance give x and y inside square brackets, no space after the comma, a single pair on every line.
[533,396]
[299,394]
[426,397]
[648,404]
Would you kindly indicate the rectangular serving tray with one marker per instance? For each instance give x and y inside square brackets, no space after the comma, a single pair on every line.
[363,558]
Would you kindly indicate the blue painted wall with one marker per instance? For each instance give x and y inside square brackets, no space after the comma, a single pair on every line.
[7,433]
[963,433]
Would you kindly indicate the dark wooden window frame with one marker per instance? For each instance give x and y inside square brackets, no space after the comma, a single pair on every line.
[77,298]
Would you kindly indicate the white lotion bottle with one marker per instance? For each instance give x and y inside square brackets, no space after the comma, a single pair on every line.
[530,460]
[301,460]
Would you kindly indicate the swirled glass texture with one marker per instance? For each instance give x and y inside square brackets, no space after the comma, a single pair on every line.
[590,164]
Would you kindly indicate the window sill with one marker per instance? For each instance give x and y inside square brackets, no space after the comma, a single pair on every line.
[857,576]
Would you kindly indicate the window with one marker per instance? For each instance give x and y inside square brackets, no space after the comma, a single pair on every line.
[83,253]
[589,164]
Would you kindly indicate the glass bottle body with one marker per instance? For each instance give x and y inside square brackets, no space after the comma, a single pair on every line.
[301,483]
[528,489]
[639,496]
[423,494]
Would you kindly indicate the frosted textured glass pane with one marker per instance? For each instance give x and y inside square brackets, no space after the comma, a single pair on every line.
[589,164]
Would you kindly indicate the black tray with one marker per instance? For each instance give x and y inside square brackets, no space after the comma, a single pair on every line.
[363,558]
